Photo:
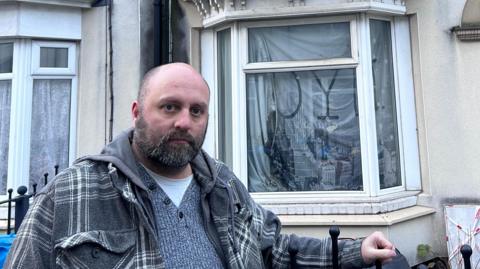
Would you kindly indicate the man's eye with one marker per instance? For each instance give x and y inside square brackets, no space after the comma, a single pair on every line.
[169,107]
[196,111]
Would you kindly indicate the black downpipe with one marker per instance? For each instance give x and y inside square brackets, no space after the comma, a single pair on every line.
[157,6]
[110,74]
[161,31]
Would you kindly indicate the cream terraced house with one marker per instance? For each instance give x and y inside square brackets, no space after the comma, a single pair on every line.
[359,113]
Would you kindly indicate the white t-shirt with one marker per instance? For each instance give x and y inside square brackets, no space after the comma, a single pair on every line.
[174,188]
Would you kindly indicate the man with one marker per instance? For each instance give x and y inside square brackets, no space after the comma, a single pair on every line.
[154,199]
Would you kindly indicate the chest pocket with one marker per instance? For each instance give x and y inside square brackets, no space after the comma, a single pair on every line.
[97,249]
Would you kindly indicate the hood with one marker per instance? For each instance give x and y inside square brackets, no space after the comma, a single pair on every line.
[204,168]
[119,153]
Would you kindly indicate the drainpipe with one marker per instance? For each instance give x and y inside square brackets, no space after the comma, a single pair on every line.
[162,50]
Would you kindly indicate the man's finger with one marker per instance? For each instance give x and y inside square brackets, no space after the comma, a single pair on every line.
[387,261]
[384,243]
[383,254]
[388,246]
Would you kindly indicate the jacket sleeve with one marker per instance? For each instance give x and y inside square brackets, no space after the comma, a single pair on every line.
[289,250]
[33,246]
[292,251]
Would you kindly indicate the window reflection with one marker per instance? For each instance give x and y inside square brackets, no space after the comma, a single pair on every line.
[303,132]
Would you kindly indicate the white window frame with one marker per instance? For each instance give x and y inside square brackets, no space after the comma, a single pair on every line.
[69,70]
[24,71]
[249,68]
[375,198]
[7,76]
[369,106]
[215,95]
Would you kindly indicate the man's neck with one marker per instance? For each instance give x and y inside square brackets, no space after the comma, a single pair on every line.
[169,172]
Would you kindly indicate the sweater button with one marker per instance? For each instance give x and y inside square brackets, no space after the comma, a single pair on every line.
[166,201]
[152,186]
[180,214]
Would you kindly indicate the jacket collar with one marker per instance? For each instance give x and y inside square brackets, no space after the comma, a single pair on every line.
[205,171]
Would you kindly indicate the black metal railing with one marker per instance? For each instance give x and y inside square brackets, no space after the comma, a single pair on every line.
[399,261]
[22,202]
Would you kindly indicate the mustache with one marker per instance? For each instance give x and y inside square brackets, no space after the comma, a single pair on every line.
[179,135]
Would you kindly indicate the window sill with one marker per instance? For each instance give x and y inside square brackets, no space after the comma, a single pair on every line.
[302,204]
[384,219]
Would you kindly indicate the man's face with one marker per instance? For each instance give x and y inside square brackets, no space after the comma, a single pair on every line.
[171,123]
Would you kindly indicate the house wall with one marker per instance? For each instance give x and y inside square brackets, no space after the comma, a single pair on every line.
[447,95]
[132,56]
[92,118]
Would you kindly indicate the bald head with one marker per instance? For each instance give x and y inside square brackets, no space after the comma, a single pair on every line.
[167,71]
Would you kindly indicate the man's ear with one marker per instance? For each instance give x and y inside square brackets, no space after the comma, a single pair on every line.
[135,111]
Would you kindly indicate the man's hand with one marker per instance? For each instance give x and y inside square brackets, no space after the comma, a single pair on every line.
[377,247]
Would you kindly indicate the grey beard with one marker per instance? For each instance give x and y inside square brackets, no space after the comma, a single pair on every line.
[166,155]
[163,153]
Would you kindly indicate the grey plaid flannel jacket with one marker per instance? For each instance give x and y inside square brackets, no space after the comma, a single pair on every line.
[97,214]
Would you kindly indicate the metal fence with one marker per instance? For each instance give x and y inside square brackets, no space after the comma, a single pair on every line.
[21,206]
[22,202]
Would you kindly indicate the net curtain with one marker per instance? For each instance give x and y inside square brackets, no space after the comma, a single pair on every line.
[5,100]
[50,127]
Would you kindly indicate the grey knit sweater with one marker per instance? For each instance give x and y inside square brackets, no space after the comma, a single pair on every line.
[181,233]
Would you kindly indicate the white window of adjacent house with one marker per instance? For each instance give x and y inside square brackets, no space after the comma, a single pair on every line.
[38,104]
[6,66]
[324,108]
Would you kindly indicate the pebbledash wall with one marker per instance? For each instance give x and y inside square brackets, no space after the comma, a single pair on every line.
[444,93]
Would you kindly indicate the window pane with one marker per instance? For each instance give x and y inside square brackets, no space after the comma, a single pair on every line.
[54,57]
[385,110]
[6,57]
[5,101]
[50,127]
[303,132]
[299,42]
[224,96]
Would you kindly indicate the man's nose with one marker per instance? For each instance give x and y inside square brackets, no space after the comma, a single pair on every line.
[183,120]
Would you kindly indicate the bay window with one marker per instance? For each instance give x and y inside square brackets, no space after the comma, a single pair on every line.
[315,107]
[37,112]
